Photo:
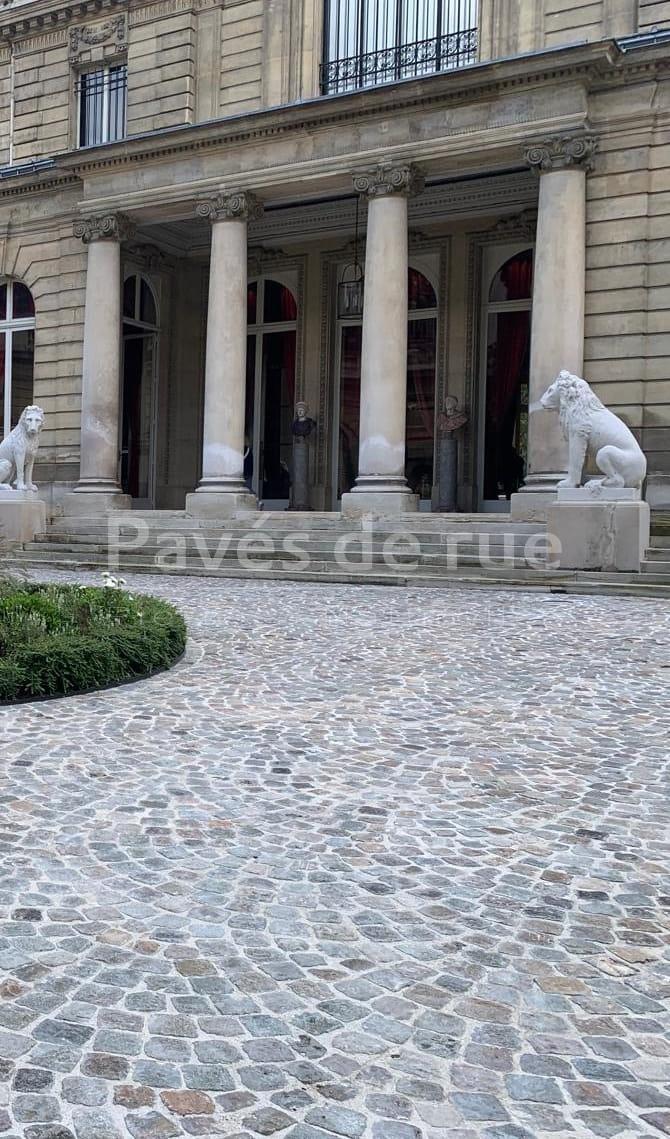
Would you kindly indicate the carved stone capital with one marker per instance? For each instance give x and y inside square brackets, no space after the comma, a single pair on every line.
[104,227]
[384,180]
[561,153]
[237,206]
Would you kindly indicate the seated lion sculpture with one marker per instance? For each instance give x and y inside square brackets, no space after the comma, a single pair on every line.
[591,430]
[19,448]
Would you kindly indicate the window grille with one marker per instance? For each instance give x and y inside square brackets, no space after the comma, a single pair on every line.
[368,42]
[101,99]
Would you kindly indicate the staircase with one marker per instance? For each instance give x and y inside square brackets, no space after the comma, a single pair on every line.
[419,550]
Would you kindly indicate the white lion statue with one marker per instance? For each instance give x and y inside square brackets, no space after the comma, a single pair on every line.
[19,448]
[590,429]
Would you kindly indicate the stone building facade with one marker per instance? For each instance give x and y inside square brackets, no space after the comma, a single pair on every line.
[211,209]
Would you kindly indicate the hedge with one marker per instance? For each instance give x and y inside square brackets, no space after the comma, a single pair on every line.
[56,640]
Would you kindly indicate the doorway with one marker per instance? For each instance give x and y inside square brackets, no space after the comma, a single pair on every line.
[138,402]
[503,420]
[270,393]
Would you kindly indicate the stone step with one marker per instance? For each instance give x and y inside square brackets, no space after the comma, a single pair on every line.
[227,545]
[125,523]
[568,582]
[92,553]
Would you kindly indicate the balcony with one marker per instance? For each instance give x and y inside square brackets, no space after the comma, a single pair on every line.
[370,42]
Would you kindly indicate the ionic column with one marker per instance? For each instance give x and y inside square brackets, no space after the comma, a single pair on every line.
[557,335]
[222,489]
[381,486]
[98,487]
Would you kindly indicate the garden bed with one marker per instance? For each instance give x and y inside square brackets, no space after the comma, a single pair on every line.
[57,640]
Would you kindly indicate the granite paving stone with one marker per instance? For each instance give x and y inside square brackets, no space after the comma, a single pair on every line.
[372,863]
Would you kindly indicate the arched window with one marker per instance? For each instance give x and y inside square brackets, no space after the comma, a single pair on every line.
[17,349]
[139,302]
[514,280]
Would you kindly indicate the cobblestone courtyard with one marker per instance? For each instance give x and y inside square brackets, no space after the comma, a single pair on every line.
[377,863]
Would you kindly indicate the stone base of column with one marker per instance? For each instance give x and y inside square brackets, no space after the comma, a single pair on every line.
[531,503]
[219,501]
[22,515]
[95,499]
[597,534]
[380,497]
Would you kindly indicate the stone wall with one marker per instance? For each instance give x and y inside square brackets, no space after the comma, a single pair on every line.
[39,249]
[188,61]
[627,335]
[161,67]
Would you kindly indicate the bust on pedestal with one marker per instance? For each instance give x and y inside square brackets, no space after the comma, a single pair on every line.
[603,525]
[449,422]
[302,429]
[22,514]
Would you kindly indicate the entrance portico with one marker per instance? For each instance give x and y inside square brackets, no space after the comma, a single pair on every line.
[226,390]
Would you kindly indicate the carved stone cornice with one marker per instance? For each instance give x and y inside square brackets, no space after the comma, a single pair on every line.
[384,180]
[104,227]
[561,153]
[239,205]
[113,33]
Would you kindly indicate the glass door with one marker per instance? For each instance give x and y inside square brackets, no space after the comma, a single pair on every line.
[137,435]
[139,391]
[270,395]
[506,327]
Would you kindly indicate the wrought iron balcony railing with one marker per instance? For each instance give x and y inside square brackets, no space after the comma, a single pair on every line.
[406,61]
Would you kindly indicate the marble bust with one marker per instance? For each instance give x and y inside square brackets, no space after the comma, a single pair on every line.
[453,417]
[302,424]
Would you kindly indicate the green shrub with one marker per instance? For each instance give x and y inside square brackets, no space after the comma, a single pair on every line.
[56,639]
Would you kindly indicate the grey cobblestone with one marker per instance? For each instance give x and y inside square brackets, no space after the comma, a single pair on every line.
[377,864]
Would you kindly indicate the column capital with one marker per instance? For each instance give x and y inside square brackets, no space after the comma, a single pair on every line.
[238,205]
[383,180]
[104,227]
[562,153]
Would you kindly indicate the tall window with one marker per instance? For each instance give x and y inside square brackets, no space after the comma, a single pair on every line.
[376,41]
[17,350]
[101,101]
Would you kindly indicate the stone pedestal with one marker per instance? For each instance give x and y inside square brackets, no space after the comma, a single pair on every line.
[600,528]
[219,504]
[85,502]
[22,516]
[447,486]
[300,488]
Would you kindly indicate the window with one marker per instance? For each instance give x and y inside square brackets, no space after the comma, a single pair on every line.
[376,41]
[101,99]
[17,349]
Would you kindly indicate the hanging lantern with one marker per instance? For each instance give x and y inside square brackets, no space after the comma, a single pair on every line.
[350,291]
[351,286]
